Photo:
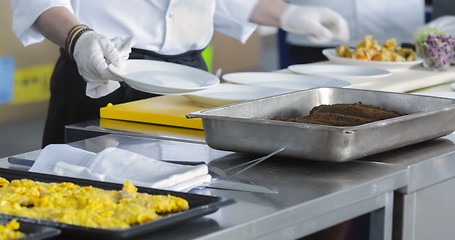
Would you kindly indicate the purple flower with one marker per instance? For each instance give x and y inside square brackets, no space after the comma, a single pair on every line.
[438,49]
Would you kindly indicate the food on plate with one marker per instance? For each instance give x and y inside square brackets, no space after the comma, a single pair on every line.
[342,114]
[87,206]
[11,231]
[369,49]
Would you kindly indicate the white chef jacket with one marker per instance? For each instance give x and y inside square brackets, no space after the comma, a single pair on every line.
[384,19]
[167,27]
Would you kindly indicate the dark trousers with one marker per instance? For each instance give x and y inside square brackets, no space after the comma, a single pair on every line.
[68,103]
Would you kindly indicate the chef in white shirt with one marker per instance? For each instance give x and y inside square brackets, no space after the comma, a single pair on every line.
[93,34]
[384,19]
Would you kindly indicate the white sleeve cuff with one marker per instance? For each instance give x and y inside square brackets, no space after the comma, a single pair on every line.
[26,12]
[232,18]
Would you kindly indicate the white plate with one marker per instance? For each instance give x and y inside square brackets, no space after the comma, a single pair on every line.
[226,93]
[284,80]
[163,77]
[330,53]
[340,71]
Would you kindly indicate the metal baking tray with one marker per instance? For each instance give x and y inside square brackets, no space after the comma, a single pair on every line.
[246,127]
[33,231]
[200,205]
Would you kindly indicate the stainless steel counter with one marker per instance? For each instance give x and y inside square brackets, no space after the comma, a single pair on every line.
[424,207]
[316,195]
[312,195]
[427,163]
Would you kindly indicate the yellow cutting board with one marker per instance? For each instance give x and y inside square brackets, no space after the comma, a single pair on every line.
[153,129]
[168,110]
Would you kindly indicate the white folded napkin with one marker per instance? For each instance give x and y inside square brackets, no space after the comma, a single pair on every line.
[98,89]
[117,165]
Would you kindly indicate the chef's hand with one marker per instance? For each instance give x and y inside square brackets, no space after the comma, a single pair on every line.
[320,23]
[93,52]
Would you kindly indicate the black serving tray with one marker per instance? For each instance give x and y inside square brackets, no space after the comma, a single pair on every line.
[33,231]
[200,205]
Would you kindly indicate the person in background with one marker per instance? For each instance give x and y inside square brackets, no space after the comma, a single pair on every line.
[441,8]
[382,19]
[93,34]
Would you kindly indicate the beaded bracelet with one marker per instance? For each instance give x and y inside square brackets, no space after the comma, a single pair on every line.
[71,33]
[73,36]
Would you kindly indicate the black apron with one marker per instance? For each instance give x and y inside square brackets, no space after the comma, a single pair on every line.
[68,103]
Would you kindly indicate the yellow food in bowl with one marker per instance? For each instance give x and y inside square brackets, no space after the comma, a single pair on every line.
[87,206]
[11,231]
[369,49]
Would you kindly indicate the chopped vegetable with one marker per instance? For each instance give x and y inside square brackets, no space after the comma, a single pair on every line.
[87,206]
[11,231]
[369,49]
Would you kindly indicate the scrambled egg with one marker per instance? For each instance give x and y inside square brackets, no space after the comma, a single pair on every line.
[10,231]
[85,205]
[369,49]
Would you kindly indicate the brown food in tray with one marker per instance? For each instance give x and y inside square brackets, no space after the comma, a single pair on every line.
[88,206]
[342,114]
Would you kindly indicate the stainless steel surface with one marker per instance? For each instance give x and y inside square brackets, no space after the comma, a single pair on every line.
[245,127]
[251,163]
[307,191]
[427,213]
[219,183]
[424,209]
[428,163]
[312,195]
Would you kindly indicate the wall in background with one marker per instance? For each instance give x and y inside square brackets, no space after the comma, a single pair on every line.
[24,72]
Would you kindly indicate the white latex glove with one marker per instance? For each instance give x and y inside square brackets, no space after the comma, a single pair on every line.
[320,23]
[93,53]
